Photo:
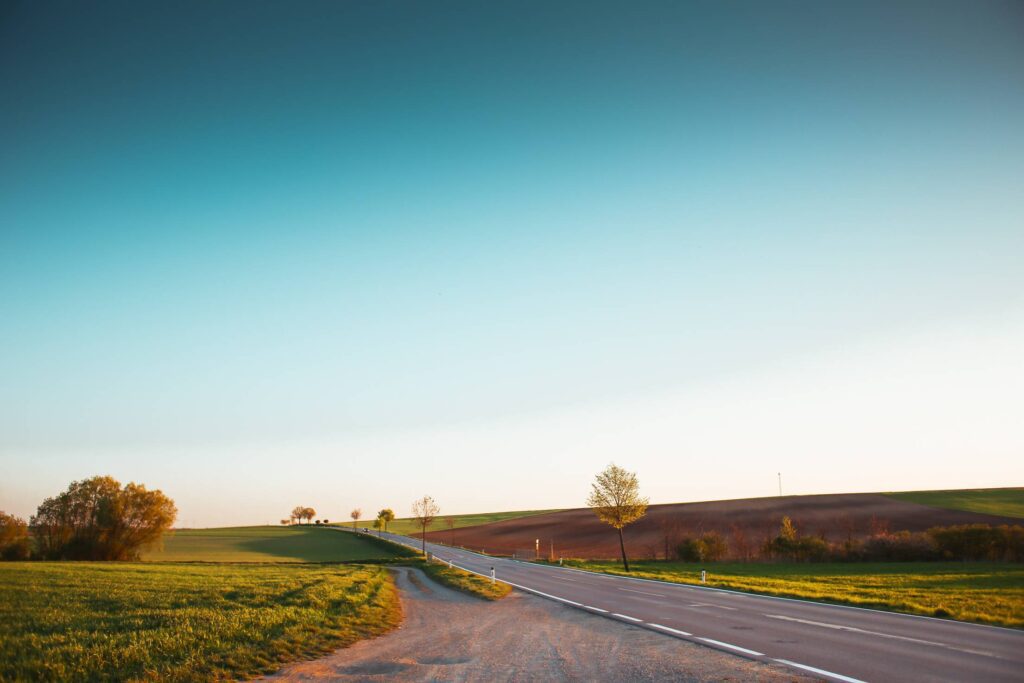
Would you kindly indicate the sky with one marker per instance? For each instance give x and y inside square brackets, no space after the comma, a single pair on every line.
[345,254]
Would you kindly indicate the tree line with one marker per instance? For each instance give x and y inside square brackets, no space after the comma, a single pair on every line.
[615,498]
[94,519]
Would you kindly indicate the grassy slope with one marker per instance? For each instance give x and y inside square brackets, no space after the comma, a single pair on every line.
[269,544]
[985,592]
[409,527]
[1006,502]
[168,622]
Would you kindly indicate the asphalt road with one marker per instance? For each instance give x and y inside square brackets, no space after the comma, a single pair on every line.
[831,641]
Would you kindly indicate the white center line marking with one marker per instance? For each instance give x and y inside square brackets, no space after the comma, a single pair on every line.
[704,604]
[853,629]
[630,590]
[670,630]
[733,647]
[625,616]
[821,672]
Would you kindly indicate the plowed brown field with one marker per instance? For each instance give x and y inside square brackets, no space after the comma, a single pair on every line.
[578,533]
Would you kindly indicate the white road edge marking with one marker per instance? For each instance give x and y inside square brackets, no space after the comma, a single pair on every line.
[626,616]
[670,630]
[854,629]
[820,672]
[596,609]
[630,590]
[733,647]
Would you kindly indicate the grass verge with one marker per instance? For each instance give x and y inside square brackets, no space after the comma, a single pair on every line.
[186,622]
[983,592]
[464,581]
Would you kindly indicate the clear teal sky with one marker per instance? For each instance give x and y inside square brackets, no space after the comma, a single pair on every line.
[306,247]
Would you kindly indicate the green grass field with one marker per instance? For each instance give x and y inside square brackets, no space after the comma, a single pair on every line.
[270,544]
[1006,502]
[67,621]
[409,527]
[985,592]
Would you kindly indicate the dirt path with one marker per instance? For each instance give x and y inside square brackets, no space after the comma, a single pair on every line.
[448,636]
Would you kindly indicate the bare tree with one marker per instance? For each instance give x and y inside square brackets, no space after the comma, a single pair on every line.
[355,515]
[298,514]
[424,511]
[740,544]
[309,514]
[450,523]
[615,498]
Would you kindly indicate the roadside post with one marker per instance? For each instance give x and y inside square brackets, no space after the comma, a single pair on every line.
[492,575]
[449,564]
[703,576]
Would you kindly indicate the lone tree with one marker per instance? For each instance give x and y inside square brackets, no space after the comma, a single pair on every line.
[386,516]
[424,511]
[355,515]
[615,498]
[98,519]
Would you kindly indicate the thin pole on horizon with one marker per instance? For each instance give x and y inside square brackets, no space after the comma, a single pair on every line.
[780,483]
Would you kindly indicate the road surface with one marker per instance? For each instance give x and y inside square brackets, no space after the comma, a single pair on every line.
[831,641]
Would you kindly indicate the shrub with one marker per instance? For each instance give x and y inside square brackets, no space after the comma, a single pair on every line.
[688,550]
[14,543]
[710,547]
[901,546]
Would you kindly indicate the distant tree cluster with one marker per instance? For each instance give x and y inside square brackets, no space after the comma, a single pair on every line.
[94,519]
[300,513]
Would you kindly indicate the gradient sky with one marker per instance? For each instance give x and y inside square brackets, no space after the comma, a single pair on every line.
[344,254]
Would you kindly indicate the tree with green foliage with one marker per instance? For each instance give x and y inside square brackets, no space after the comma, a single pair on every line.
[98,519]
[14,542]
[616,500]
[386,516]
[424,511]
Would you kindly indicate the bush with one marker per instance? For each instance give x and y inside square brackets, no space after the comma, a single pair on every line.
[14,543]
[710,547]
[902,546]
[689,550]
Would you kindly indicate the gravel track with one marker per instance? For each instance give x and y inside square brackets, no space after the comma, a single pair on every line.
[450,636]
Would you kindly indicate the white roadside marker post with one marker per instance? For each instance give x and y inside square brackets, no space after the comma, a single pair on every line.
[703,576]
[449,564]
[492,575]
